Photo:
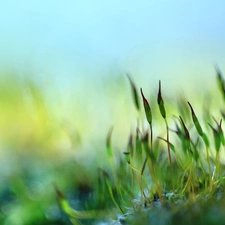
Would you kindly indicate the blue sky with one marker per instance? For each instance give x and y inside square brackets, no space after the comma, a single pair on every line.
[74,39]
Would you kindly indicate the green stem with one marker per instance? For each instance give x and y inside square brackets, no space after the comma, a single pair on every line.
[169,153]
[210,169]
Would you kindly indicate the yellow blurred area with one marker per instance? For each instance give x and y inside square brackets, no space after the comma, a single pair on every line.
[27,121]
[52,123]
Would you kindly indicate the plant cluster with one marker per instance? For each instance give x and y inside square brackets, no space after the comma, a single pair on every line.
[177,174]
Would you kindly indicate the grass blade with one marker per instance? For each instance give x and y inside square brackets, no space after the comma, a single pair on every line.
[205,139]
[216,138]
[222,140]
[108,143]
[127,154]
[109,185]
[147,108]
[70,211]
[186,140]
[161,103]
[134,93]
[221,82]
[195,121]
[130,145]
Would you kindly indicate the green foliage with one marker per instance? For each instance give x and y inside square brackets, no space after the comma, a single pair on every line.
[186,141]
[147,108]
[221,82]
[108,143]
[195,121]
[172,176]
[161,103]
[134,93]
[191,179]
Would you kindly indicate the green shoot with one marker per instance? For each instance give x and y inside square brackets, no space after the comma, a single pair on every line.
[163,114]
[134,93]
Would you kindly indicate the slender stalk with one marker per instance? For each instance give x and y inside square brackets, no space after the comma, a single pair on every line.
[151,144]
[218,163]
[152,172]
[169,153]
[155,181]
[133,169]
[210,169]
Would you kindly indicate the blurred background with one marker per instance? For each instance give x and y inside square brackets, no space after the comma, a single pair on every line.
[80,50]
[63,82]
